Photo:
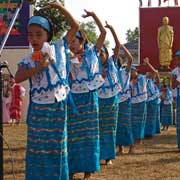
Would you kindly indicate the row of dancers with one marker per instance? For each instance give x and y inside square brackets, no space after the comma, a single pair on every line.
[82,103]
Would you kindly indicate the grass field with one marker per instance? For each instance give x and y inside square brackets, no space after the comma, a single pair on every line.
[155,159]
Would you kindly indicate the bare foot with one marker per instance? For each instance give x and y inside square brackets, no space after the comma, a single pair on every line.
[120,151]
[131,150]
[71,176]
[87,176]
[109,162]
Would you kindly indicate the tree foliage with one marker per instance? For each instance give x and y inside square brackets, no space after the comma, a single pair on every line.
[90,29]
[132,35]
[60,24]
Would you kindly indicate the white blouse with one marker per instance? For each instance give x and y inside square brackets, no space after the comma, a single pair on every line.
[139,90]
[111,86]
[151,90]
[125,92]
[176,74]
[50,84]
[85,74]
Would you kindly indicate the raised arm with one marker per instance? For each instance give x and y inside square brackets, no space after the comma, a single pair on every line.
[156,73]
[117,42]
[72,22]
[128,55]
[146,61]
[102,35]
[158,81]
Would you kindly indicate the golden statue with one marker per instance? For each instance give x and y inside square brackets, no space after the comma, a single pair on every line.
[165,42]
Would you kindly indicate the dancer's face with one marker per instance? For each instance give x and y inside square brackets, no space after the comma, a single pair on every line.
[134,74]
[76,46]
[177,60]
[103,56]
[37,36]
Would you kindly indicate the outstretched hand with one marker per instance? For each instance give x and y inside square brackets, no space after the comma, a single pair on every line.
[88,13]
[45,61]
[108,25]
[156,71]
[146,60]
[54,4]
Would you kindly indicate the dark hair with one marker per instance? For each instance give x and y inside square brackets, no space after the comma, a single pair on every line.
[163,85]
[177,53]
[120,61]
[104,49]
[50,34]
[81,35]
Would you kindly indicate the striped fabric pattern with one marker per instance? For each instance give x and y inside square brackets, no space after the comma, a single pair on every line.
[158,123]
[108,114]
[83,134]
[150,126]
[138,119]
[166,114]
[124,136]
[178,124]
[46,156]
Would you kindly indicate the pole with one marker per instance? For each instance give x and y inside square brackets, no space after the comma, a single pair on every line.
[1,128]
[4,65]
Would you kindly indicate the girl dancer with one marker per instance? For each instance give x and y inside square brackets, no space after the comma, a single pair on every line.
[46,155]
[83,128]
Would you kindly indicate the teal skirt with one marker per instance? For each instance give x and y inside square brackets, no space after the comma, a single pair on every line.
[150,126]
[83,134]
[166,114]
[108,114]
[46,156]
[124,136]
[138,119]
[158,123]
[178,124]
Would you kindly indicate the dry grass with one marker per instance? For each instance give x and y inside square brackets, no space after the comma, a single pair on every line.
[155,159]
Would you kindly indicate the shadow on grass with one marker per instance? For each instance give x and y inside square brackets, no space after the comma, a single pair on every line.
[14,149]
[154,163]
[15,160]
[163,139]
[16,172]
[156,152]
[168,161]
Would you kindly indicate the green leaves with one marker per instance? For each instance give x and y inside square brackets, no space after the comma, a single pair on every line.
[90,29]
[132,35]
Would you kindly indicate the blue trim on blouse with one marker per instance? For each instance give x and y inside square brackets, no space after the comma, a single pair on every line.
[123,85]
